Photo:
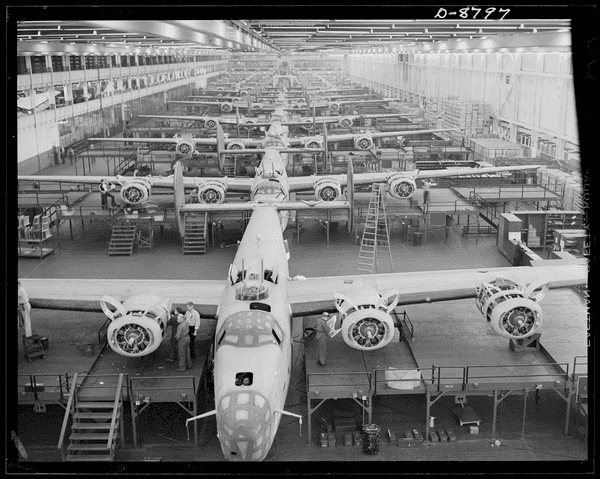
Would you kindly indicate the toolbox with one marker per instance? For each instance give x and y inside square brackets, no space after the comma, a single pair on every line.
[451,435]
[433,436]
[331,439]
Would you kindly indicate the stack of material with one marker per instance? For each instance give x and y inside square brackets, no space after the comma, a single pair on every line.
[471,116]
[533,239]
[487,149]
[434,111]
[568,185]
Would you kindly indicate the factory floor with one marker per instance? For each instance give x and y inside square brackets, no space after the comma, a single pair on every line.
[86,256]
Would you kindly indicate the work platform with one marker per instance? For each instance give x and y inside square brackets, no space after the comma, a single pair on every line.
[448,349]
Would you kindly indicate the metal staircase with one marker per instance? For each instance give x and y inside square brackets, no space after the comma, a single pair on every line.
[375,236]
[122,239]
[97,430]
[195,235]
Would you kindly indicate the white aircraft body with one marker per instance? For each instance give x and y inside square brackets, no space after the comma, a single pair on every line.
[42,101]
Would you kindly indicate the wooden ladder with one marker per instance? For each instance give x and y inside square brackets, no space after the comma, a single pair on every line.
[98,428]
[122,240]
[194,238]
[375,234]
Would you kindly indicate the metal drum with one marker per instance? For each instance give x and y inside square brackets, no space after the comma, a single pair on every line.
[371,439]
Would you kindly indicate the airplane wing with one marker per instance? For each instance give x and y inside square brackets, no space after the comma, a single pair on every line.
[307,297]
[305,183]
[280,206]
[236,185]
[140,140]
[352,136]
[315,295]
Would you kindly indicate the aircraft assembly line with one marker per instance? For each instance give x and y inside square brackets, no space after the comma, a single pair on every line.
[454,298]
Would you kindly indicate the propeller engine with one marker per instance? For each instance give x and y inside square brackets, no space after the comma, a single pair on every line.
[313,143]
[334,106]
[250,121]
[257,106]
[135,191]
[401,187]
[236,145]
[363,142]
[346,122]
[327,189]
[511,309]
[185,147]
[366,321]
[226,107]
[211,123]
[212,192]
[138,325]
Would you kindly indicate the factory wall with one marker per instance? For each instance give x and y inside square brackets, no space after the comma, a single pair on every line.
[104,112]
[530,90]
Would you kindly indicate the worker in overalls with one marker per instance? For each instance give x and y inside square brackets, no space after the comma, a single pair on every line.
[183,344]
[322,330]
[25,309]
[173,343]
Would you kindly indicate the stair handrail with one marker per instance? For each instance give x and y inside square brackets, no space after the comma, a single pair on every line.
[115,409]
[68,411]
[204,233]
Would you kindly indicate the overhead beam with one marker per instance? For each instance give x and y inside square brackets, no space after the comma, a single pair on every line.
[204,32]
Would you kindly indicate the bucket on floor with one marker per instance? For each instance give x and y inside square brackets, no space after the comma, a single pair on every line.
[45,343]
[431,421]
[371,439]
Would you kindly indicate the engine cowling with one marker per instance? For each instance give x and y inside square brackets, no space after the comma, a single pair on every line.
[401,187]
[510,309]
[236,145]
[138,325]
[226,107]
[136,191]
[212,192]
[185,147]
[366,321]
[326,99]
[220,88]
[257,106]
[313,143]
[327,189]
[243,93]
[346,122]
[211,123]
[363,142]
[250,121]
[334,106]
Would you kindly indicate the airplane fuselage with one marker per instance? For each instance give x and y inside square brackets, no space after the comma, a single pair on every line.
[253,344]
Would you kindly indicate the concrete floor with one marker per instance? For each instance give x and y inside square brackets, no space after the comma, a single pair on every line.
[86,255]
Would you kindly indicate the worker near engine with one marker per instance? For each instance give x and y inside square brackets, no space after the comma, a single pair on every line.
[173,323]
[25,310]
[426,186]
[192,318]
[105,188]
[183,344]
[322,329]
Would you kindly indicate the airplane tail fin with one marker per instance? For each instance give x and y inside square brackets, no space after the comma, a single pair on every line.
[179,194]
[220,146]
[350,193]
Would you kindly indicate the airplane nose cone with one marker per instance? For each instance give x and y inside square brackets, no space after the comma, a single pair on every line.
[244,426]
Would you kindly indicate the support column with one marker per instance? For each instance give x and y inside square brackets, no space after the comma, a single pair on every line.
[494,413]
[427,412]
[525,394]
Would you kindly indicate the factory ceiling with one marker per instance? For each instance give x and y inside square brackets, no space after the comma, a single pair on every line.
[265,36]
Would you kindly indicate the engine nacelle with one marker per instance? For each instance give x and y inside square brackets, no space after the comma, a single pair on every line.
[327,189]
[334,106]
[243,93]
[363,142]
[366,321]
[326,99]
[346,122]
[185,147]
[212,192]
[220,88]
[226,107]
[236,145]
[510,309]
[257,106]
[250,121]
[211,123]
[401,187]
[313,143]
[138,325]
[136,191]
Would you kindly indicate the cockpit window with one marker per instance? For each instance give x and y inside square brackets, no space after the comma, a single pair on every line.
[248,329]
[252,290]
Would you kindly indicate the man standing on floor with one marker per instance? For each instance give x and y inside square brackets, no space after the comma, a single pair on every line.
[322,329]
[173,344]
[25,309]
[192,318]
[183,344]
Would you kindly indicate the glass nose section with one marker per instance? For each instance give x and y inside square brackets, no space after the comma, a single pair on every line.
[244,426]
